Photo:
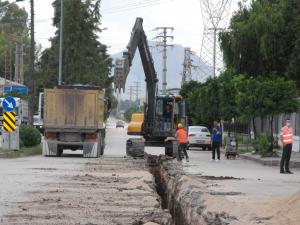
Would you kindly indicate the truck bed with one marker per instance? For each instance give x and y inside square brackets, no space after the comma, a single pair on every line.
[74,109]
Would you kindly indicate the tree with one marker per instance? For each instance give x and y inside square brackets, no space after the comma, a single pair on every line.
[228,94]
[249,99]
[190,94]
[203,101]
[85,59]
[264,39]
[13,22]
[279,96]
[128,113]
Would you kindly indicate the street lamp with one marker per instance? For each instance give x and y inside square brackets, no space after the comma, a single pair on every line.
[61,41]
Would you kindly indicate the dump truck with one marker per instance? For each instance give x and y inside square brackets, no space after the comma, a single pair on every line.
[74,119]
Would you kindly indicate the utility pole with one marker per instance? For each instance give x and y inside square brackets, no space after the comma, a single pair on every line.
[137,89]
[5,66]
[187,66]
[10,65]
[31,65]
[22,62]
[164,37]
[61,41]
[130,90]
[19,60]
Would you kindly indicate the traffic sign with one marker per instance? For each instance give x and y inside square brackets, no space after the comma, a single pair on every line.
[9,104]
[17,88]
[9,121]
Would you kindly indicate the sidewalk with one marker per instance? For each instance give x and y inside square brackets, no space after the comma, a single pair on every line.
[273,161]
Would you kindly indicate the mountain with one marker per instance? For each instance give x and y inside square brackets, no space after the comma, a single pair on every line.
[175,57]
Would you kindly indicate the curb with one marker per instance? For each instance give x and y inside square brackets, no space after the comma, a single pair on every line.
[270,162]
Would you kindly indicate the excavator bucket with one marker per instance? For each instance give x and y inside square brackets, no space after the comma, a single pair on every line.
[120,73]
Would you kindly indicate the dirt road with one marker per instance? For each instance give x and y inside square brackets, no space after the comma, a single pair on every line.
[72,190]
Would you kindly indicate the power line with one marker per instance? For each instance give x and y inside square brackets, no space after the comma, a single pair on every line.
[125,8]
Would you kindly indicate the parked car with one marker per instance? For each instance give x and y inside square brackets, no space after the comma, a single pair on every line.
[120,123]
[199,136]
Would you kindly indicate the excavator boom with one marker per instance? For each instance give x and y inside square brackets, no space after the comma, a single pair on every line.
[138,40]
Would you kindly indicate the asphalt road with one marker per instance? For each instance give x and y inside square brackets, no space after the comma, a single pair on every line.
[255,179]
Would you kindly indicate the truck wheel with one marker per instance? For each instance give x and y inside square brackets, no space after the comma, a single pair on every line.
[59,152]
[99,145]
[102,145]
[168,151]
[171,149]
[135,147]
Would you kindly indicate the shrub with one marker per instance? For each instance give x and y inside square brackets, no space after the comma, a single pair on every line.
[29,136]
[263,145]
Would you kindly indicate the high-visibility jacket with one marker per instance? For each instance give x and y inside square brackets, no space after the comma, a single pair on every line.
[287,135]
[182,136]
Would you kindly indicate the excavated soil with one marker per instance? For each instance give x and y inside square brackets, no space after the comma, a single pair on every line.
[200,200]
[287,212]
[185,196]
[109,191]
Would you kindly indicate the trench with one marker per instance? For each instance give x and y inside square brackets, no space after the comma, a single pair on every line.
[184,202]
[167,199]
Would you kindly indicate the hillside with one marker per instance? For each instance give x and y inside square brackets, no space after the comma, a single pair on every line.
[174,64]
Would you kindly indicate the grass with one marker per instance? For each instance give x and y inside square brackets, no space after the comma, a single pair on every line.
[245,150]
[23,152]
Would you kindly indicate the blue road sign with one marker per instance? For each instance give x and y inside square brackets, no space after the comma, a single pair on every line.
[9,104]
[17,88]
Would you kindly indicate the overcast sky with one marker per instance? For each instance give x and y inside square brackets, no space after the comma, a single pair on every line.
[118,16]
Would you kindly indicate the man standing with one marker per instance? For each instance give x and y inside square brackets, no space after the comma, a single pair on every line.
[286,137]
[167,117]
[216,141]
[183,141]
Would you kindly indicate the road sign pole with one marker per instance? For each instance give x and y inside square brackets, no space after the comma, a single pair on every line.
[9,141]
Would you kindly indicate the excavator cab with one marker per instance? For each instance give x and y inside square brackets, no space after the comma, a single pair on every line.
[169,111]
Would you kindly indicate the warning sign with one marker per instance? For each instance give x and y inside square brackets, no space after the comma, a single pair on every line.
[9,121]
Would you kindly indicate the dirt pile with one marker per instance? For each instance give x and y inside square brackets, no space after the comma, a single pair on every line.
[287,212]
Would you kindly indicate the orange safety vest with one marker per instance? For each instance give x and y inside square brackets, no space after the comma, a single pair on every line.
[287,135]
[182,136]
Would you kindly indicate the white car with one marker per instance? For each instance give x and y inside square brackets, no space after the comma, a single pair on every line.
[199,136]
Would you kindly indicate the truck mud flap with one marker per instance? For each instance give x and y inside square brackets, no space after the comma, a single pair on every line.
[91,150]
[49,148]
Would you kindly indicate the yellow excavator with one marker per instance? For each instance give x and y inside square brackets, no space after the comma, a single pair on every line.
[157,124]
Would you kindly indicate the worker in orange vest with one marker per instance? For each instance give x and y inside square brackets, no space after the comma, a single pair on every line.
[286,137]
[183,141]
